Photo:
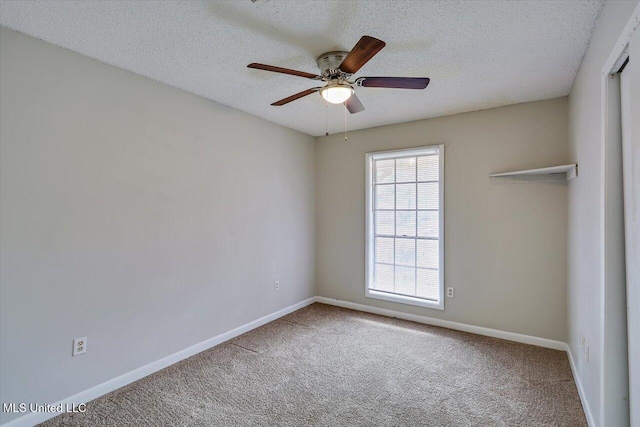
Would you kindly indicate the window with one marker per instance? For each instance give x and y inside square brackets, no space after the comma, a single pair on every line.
[404,247]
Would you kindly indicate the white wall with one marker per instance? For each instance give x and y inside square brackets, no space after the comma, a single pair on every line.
[584,286]
[141,216]
[505,245]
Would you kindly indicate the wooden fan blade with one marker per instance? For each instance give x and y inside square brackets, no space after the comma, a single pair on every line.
[361,53]
[283,70]
[394,82]
[296,96]
[353,104]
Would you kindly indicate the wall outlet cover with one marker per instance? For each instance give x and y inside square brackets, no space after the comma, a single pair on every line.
[79,346]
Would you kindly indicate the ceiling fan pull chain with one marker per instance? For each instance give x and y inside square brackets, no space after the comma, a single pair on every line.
[326,121]
[345,121]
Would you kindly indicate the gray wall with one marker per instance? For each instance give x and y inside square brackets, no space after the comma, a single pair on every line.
[584,247]
[141,216]
[505,245]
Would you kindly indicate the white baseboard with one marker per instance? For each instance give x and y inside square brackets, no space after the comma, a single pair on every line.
[583,397]
[34,418]
[495,333]
[139,373]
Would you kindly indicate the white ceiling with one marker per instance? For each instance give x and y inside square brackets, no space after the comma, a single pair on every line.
[478,54]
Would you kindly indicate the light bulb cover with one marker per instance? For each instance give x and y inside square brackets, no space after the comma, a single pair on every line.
[336,93]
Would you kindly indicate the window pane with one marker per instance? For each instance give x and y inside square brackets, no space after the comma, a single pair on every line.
[428,168]
[428,253]
[384,196]
[405,280]
[405,252]
[406,170]
[428,224]
[406,196]
[405,244]
[384,171]
[384,277]
[428,195]
[406,223]
[385,222]
[428,286]
[384,250]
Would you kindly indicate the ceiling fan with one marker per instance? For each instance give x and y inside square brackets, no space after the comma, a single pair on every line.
[337,68]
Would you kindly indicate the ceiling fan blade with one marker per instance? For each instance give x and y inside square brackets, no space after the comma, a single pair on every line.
[361,53]
[283,70]
[394,82]
[353,104]
[296,96]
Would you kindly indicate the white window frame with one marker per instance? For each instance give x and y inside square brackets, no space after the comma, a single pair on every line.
[370,231]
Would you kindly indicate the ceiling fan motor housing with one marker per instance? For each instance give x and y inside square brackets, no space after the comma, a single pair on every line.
[329,64]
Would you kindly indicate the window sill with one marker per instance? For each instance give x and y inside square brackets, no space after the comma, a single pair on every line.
[436,305]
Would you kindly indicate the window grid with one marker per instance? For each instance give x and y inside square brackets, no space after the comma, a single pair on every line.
[402,265]
[395,209]
[415,242]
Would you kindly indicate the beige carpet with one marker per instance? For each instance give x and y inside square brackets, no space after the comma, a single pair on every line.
[327,366]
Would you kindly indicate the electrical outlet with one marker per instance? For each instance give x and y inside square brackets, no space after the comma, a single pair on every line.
[450,292]
[276,285]
[79,346]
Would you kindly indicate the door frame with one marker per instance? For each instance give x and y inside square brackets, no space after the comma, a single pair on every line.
[610,119]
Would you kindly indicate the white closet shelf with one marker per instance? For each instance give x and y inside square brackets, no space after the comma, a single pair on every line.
[570,172]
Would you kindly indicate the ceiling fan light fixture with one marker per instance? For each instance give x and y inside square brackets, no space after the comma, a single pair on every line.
[336,93]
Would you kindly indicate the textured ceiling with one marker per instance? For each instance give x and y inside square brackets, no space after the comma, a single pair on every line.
[478,54]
